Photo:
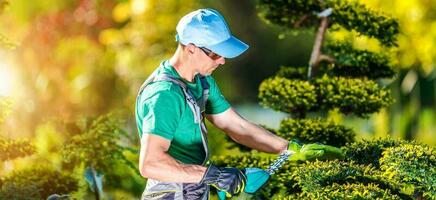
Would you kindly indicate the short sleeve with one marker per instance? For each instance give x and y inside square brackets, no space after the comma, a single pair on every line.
[162,113]
[216,103]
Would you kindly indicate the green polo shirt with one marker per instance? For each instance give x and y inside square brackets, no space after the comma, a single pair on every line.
[162,110]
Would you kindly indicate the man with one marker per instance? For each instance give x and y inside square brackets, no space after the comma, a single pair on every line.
[170,111]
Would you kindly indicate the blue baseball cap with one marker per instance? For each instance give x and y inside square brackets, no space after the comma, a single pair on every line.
[207,28]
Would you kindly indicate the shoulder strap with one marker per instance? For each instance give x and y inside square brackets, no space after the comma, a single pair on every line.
[196,107]
[188,95]
[205,86]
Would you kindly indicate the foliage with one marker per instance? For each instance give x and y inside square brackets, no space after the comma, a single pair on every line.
[369,152]
[97,146]
[416,19]
[351,15]
[357,63]
[12,149]
[5,108]
[315,130]
[346,191]
[36,183]
[343,180]
[300,96]
[398,177]
[413,167]
[350,95]
[380,169]
[299,73]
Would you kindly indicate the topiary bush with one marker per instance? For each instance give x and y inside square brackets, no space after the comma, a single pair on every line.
[369,152]
[413,167]
[36,183]
[339,77]
[315,130]
[350,15]
[351,62]
[299,95]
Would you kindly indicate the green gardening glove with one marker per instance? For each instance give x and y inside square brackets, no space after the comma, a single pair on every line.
[313,151]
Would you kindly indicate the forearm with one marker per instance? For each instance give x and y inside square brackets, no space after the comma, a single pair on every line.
[167,169]
[256,137]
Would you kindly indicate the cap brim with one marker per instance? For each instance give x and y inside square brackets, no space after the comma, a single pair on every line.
[230,48]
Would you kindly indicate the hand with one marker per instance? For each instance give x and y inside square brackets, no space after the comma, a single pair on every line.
[228,179]
[313,151]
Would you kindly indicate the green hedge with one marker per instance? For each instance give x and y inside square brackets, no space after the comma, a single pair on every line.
[349,95]
[290,96]
[346,191]
[351,15]
[412,166]
[352,95]
[342,180]
[378,169]
[316,130]
[36,183]
[351,62]
[369,151]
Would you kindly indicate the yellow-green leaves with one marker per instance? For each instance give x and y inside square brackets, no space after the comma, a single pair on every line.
[36,183]
[351,62]
[316,130]
[350,95]
[98,146]
[351,15]
[12,149]
[288,96]
[413,166]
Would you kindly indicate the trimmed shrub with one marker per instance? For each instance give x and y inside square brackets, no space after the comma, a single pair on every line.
[413,167]
[36,183]
[351,15]
[369,152]
[351,96]
[300,96]
[316,130]
[350,62]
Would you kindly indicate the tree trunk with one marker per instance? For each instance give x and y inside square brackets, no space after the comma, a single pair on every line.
[316,52]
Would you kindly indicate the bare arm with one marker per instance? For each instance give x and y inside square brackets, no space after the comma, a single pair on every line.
[156,163]
[247,133]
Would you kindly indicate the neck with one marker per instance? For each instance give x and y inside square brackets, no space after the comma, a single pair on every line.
[182,65]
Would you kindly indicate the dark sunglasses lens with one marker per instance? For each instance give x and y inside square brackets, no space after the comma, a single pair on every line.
[215,56]
[211,54]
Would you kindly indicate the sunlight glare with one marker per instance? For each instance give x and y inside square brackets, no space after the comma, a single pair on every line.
[6,79]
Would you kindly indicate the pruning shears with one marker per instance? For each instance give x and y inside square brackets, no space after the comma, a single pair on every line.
[257,177]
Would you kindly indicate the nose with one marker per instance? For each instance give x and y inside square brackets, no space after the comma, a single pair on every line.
[221,61]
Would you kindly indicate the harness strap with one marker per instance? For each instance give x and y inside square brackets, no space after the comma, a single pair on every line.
[188,95]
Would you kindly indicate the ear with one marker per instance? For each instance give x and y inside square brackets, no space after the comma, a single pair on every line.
[190,49]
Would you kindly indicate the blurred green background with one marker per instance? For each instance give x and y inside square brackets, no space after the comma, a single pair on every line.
[61,61]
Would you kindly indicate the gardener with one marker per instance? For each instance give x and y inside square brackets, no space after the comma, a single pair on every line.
[170,110]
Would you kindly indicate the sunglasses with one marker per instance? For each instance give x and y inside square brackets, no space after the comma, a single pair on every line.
[210,53]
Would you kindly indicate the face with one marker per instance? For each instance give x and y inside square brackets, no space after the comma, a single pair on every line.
[208,61]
